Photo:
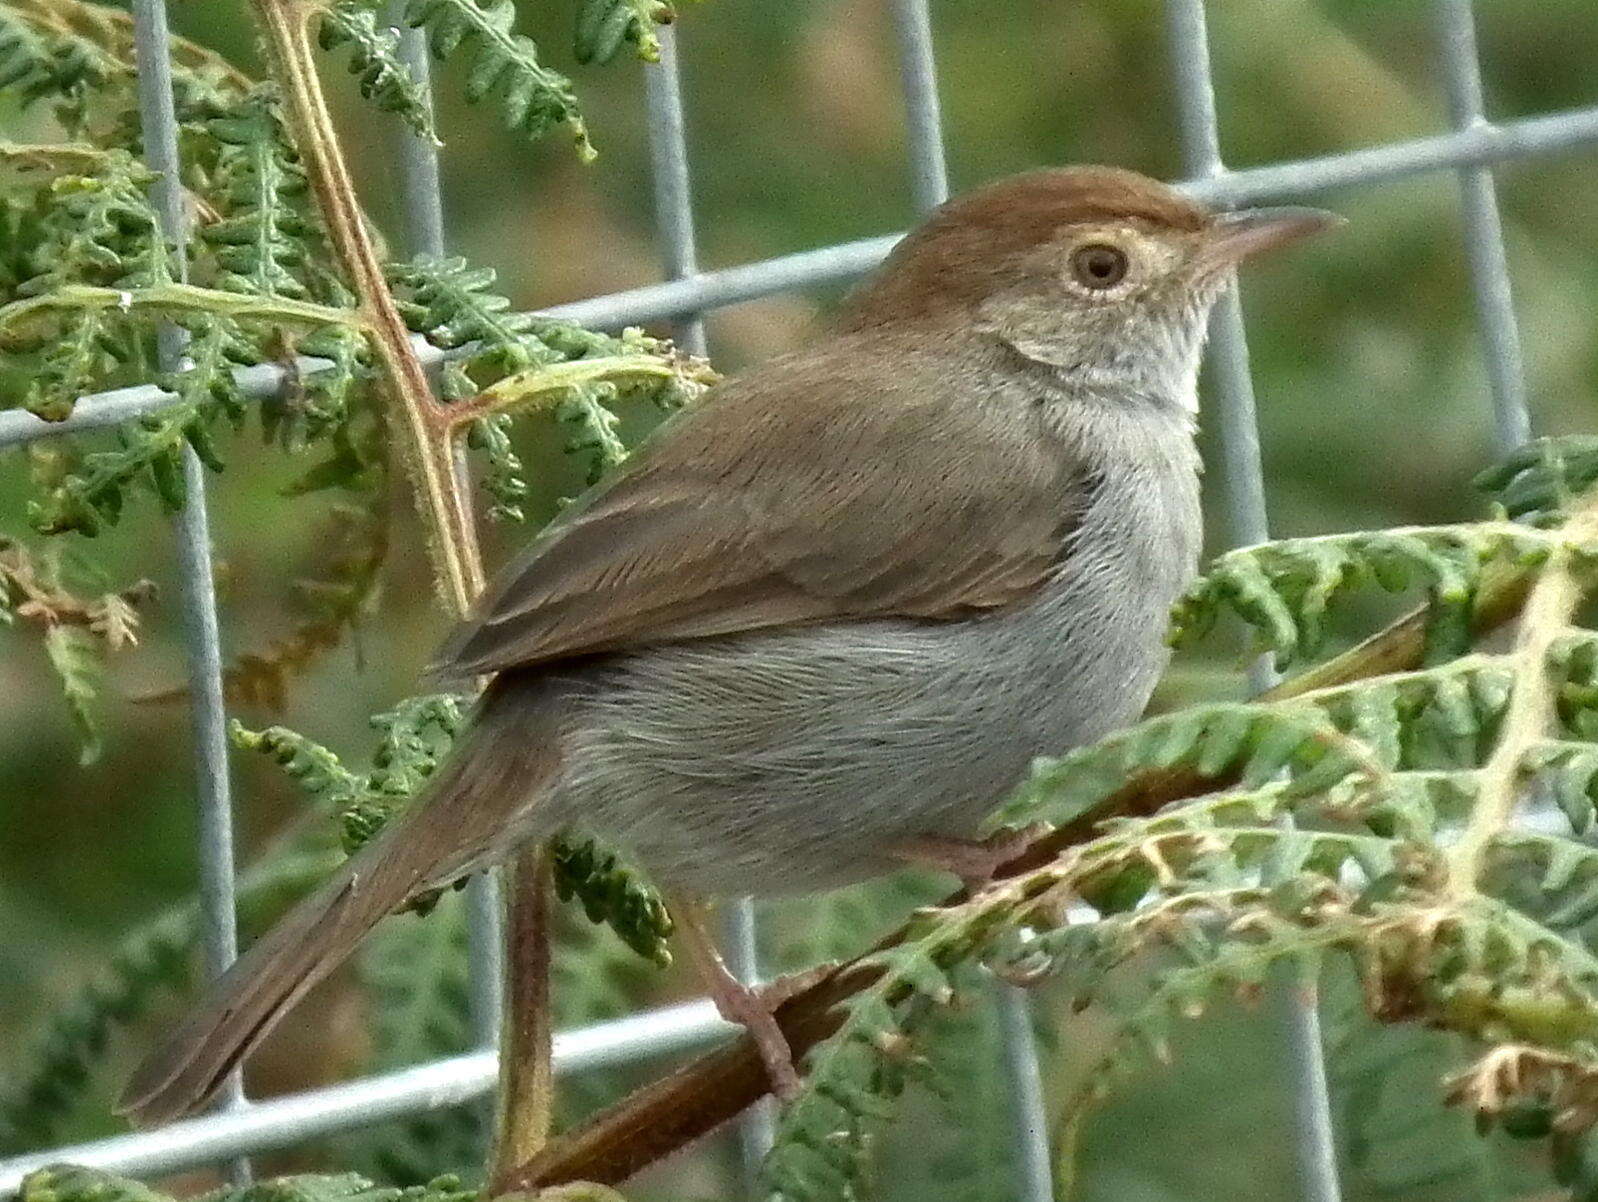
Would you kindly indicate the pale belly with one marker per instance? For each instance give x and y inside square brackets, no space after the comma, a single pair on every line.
[790,761]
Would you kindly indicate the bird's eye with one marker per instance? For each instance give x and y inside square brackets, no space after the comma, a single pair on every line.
[1098,265]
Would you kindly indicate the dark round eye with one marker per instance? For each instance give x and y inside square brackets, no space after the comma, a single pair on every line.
[1098,265]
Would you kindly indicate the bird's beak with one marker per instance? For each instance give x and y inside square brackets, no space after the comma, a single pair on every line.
[1247,232]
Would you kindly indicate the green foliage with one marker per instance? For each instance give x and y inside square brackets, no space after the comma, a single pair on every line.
[259,242]
[1383,820]
[381,74]
[605,26]
[1539,482]
[533,99]
[416,974]
[96,230]
[66,1183]
[75,656]
[414,737]
[154,958]
[411,740]
[36,63]
[452,305]
[613,894]
[45,1087]
[1283,589]
[81,54]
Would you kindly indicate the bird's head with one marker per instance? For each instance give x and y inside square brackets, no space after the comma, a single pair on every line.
[1105,275]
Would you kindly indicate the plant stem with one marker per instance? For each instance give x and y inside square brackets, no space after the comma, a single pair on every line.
[1530,711]
[165,300]
[526,1071]
[424,430]
[418,424]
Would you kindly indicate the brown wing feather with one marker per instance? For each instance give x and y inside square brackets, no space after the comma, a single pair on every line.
[807,491]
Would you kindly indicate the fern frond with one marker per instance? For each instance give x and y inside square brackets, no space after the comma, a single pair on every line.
[39,58]
[79,52]
[417,976]
[44,1087]
[605,26]
[514,358]
[88,230]
[259,242]
[533,98]
[78,630]
[1283,589]
[75,655]
[1540,482]
[1383,821]
[151,449]
[382,77]
[615,895]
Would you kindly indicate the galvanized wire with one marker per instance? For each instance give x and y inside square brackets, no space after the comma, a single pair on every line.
[674,223]
[297,1118]
[1480,144]
[1484,232]
[918,76]
[202,639]
[1243,481]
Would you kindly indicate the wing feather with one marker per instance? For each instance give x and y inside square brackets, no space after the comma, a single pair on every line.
[807,491]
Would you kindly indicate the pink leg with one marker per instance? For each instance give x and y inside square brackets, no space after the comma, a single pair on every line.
[737,1003]
[973,861]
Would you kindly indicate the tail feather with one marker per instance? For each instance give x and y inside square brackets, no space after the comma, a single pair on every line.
[453,828]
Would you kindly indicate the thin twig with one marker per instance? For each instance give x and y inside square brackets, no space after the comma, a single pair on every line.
[526,1067]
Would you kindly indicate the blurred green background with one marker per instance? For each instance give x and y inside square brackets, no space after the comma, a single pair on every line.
[1373,411]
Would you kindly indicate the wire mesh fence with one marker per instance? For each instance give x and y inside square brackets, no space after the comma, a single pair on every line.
[1469,149]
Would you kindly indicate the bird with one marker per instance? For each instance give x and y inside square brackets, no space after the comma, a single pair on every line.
[820,623]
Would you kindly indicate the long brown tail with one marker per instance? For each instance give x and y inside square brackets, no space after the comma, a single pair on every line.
[503,763]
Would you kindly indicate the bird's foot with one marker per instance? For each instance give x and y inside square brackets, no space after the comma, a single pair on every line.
[753,1010]
[975,862]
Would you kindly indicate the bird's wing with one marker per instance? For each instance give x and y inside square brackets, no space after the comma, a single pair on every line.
[805,492]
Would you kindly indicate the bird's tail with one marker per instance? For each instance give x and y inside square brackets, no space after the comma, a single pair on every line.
[496,774]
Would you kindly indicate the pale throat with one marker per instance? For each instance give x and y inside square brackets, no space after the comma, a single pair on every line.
[1159,365]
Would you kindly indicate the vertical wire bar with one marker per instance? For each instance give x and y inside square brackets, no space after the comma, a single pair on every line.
[423,204]
[202,640]
[929,172]
[674,222]
[929,183]
[1484,231]
[1315,1143]
[757,1129]
[668,163]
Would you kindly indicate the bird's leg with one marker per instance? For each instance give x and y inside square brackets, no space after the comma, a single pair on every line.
[974,861]
[736,1002]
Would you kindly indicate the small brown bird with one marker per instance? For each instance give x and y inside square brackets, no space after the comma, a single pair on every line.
[822,621]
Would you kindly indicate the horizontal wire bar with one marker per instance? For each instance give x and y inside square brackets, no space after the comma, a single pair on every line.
[279,1122]
[1484,143]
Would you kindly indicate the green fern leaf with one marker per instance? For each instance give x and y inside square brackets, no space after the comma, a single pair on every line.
[532,97]
[382,77]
